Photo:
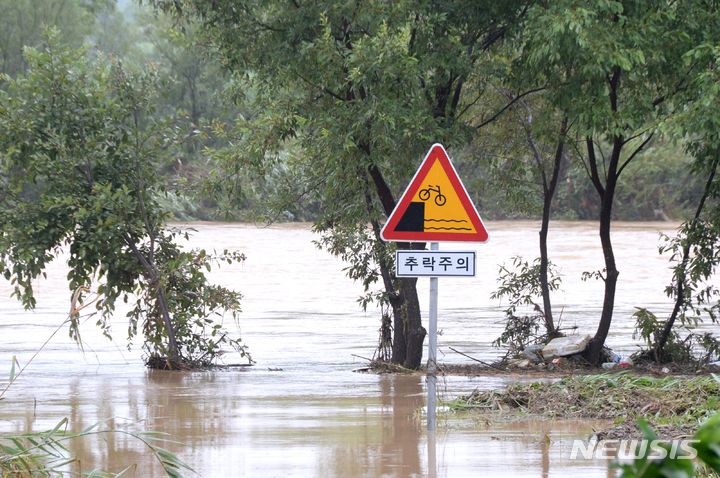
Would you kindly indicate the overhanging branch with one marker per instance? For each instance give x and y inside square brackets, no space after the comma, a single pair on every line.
[504,108]
[634,153]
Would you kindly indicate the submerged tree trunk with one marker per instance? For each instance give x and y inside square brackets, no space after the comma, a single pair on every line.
[152,276]
[606,192]
[409,354]
[408,332]
[407,324]
[610,278]
[549,189]
[607,196]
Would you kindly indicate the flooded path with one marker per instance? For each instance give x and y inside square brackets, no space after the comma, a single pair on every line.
[301,411]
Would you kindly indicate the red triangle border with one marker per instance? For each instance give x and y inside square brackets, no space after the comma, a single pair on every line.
[436,153]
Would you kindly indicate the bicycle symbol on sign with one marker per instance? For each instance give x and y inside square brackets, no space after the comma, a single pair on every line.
[440,199]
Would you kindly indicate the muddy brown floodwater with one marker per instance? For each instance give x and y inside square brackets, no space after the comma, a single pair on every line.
[301,411]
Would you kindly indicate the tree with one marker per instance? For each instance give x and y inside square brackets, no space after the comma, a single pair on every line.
[543,166]
[194,95]
[79,158]
[355,92]
[549,182]
[525,150]
[193,76]
[695,249]
[617,67]
[22,25]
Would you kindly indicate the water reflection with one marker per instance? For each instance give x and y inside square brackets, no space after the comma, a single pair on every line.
[386,441]
[401,435]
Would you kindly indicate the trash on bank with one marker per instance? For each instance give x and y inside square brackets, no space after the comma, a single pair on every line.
[565,353]
[618,361]
[564,346]
[533,353]
[519,363]
[625,362]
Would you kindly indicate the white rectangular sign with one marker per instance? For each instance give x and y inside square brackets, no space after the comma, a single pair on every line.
[435,263]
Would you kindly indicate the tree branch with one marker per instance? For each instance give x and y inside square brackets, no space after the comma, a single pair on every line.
[526,122]
[257,22]
[504,108]
[635,136]
[634,153]
[613,82]
[592,162]
[324,89]
[680,86]
[469,105]
[456,98]
[492,37]
[149,268]
[582,159]
[557,163]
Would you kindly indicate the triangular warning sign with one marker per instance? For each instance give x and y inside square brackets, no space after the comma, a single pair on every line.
[435,206]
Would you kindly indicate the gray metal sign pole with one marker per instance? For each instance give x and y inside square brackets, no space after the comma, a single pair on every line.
[432,349]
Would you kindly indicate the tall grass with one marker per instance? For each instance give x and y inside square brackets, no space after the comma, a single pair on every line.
[47,453]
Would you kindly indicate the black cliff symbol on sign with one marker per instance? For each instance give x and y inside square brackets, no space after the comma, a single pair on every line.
[413,220]
[440,199]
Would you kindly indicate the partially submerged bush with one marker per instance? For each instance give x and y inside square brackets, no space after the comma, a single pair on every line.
[693,349]
[193,303]
[519,332]
[521,287]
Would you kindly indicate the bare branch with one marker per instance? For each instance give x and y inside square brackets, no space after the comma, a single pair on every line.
[526,124]
[504,108]
[324,89]
[635,136]
[469,105]
[592,161]
[581,157]
[634,153]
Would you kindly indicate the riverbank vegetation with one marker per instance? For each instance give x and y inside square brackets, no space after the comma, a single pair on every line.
[632,407]
[674,406]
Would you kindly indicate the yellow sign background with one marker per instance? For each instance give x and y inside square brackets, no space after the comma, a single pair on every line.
[446,215]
